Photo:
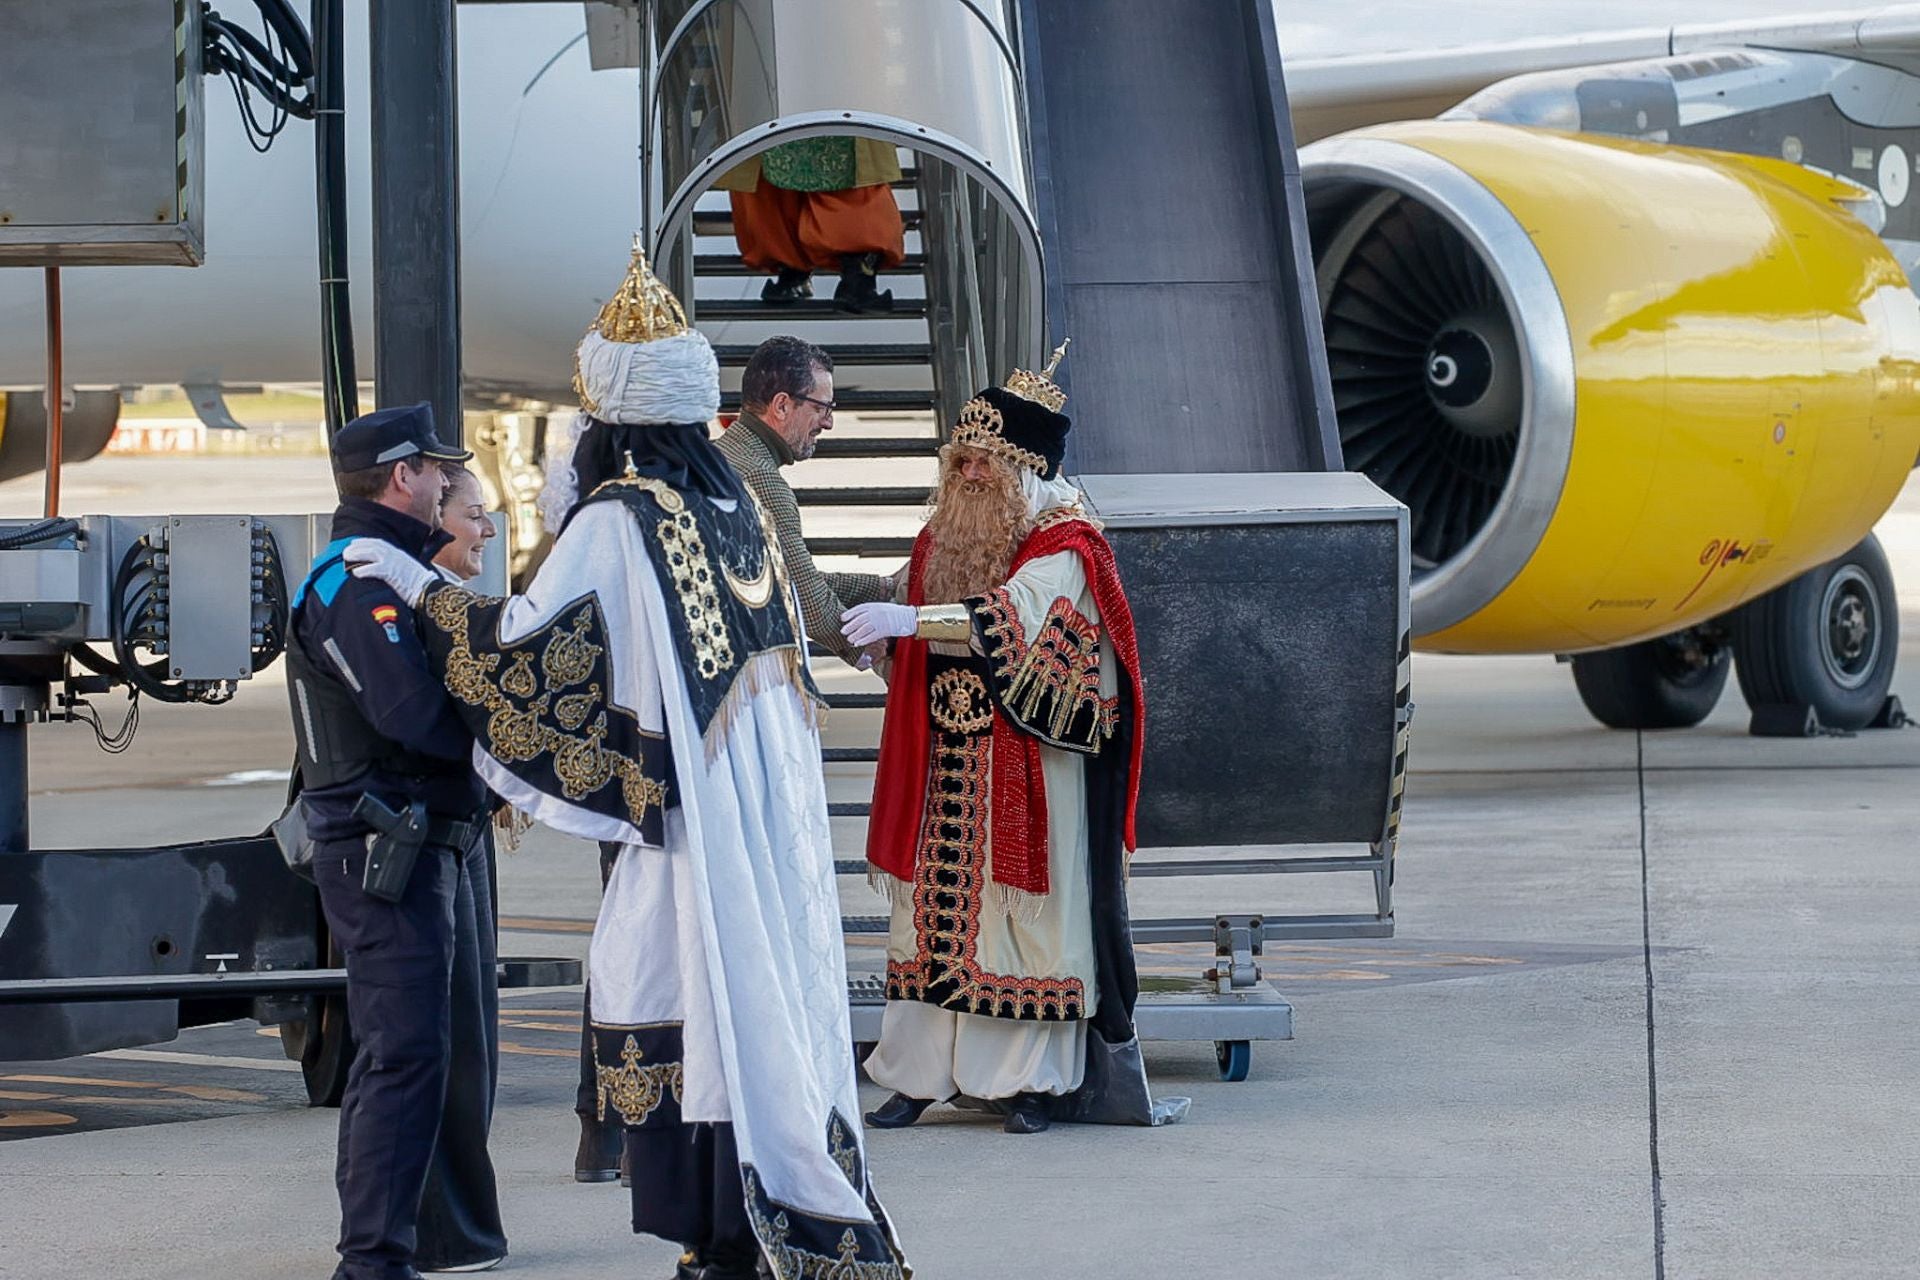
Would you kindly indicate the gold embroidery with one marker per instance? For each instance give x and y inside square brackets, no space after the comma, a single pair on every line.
[982,427]
[516,734]
[754,592]
[960,703]
[790,1261]
[692,574]
[569,656]
[1046,684]
[572,710]
[636,1092]
[519,679]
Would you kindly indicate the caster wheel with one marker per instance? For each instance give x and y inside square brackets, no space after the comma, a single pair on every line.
[1235,1058]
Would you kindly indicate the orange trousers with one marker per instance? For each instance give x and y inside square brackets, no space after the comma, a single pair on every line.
[813,229]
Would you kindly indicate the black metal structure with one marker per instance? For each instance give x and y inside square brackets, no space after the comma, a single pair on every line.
[416,207]
[1193,270]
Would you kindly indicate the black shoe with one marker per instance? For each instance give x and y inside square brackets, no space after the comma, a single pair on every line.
[897,1112]
[711,1264]
[856,290]
[791,285]
[1028,1114]
[597,1159]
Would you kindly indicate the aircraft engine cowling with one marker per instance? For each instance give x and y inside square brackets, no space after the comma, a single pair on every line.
[1622,388]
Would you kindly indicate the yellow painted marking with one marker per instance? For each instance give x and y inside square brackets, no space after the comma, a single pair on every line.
[540,1026]
[35,1119]
[515,1011]
[535,1051]
[544,924]
[87,1081]
[21,1095]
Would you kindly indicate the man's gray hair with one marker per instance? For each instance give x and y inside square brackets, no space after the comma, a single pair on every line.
[782,363]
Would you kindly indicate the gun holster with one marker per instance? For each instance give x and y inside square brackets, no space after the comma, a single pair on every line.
[392,847]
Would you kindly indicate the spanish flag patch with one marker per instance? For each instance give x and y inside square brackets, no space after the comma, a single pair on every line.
[386,615]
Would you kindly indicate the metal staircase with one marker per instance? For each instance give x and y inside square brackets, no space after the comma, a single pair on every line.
[884,382]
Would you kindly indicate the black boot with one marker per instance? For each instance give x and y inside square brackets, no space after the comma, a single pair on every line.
[897,1112]
[598,1157]
[856,290]
[1027,1113]
[732,1263]
[791,285]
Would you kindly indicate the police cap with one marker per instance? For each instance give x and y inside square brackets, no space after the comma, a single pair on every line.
[389,435]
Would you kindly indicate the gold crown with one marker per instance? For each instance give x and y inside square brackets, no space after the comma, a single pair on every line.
[643,309]
[1038,387]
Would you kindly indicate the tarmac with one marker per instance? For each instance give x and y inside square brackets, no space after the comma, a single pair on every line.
[1650,1011]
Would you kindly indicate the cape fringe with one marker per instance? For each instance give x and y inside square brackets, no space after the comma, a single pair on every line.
[765,670]
[1015,904]
[897,892]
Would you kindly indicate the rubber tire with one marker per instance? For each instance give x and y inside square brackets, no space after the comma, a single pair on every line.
[1779,639]
[1636,687]
[1235,1058]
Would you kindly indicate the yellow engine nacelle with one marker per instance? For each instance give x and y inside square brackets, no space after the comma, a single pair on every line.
[1623,388]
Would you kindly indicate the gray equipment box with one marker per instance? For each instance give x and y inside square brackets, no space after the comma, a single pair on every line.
[102,134]
[1273,623]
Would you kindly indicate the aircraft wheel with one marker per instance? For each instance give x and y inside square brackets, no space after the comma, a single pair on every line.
[1828,640]
[1669,683]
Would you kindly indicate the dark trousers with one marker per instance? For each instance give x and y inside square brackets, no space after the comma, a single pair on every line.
[460,1210]
[687,1189]
[399,972]
[584,1098]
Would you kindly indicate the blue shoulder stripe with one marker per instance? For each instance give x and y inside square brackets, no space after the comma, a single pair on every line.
[328,574]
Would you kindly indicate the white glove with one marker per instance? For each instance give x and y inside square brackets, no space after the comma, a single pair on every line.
[865,623]
[384,562]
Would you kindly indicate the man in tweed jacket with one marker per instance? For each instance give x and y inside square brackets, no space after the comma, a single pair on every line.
[786,398]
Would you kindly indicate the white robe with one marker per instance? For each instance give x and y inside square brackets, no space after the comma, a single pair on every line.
[733,929]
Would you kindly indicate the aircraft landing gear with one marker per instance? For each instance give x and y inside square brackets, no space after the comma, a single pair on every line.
[1669,683]
[1826,642]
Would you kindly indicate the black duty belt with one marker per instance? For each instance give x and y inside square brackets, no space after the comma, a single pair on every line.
[458,836]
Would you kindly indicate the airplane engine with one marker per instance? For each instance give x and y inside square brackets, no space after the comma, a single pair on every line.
[85,427]
[1625,389]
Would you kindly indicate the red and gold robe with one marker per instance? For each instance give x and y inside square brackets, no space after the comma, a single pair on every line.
[1002,817]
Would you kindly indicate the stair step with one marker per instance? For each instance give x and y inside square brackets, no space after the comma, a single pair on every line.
[730,266]
[810,309]
[865,354]
[863,924]
[877,447]
[874,401]
[850,755]
[864,496]
[856,701]
[873,548]
[849,809]
[719,222]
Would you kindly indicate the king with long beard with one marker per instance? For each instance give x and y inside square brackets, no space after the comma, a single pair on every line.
[1003,807]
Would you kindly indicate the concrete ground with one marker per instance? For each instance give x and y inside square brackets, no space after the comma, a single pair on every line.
[1650,1012]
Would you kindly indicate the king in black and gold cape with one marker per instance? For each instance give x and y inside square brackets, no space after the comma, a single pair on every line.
[650,689]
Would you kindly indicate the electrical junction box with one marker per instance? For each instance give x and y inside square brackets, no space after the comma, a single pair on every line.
[102,133]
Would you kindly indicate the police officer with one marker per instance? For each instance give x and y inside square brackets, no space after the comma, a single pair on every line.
[393,808]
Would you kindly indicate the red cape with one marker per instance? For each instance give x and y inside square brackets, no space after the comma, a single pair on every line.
[1018,819]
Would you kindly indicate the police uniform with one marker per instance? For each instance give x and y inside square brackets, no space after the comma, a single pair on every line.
[371,719]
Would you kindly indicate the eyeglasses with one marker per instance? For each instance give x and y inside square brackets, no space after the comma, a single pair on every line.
[824,404]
